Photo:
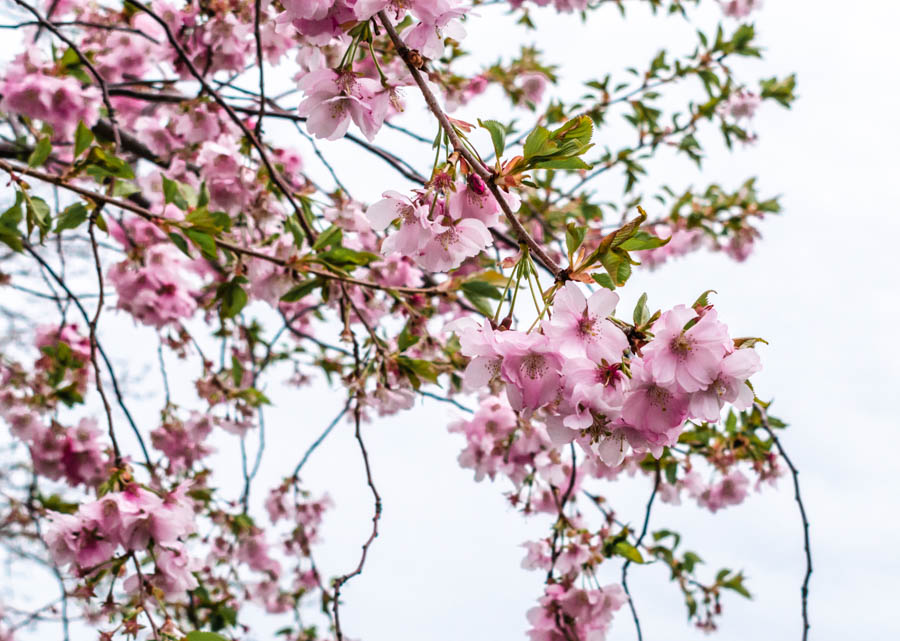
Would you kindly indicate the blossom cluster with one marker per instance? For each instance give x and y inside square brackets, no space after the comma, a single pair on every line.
[439,229]
[132,520]
[574,370]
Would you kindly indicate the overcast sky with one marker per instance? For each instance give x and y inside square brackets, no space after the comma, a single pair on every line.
[821,288]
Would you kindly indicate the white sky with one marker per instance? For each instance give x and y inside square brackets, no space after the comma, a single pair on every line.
[821,288]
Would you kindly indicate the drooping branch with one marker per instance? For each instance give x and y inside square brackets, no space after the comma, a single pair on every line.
[640,540]
[804,588]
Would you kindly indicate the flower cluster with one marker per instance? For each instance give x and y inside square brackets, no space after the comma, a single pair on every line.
[31,88]
[574,613]
[132,520]
[575,370]
[439,229]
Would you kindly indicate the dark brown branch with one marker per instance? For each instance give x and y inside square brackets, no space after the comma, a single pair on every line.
[474,163]
[93,338]
[804,588]
[257,9]
[640,539]
[341,581]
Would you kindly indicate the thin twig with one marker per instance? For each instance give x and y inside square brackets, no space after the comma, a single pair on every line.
[640,539]
[87,319]
[804,588]
[312,448]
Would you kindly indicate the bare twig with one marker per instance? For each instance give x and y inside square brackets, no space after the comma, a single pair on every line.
[804,588]
[640,539]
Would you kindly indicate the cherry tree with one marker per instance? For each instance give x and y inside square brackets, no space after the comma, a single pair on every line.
[157,172]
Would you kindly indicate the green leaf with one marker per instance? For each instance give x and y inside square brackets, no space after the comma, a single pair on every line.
[204,241]
[71,217]
[37,214]
[203,196]
[173,195]
[628,551]
[481,304]
[294,227]
[703,299]
[604,280]
[481,288]
[562,163]
[641,311]
[498,135]
[643,240]
[209,221]
[617,266]
[83,139]
[574,238]
[180,243]
[301,290]
[407,339]
[197,635]
[330,237]
[342,257]
[535,143]
[124,188]
[9,225]
[41,152]
[232,298]
[737,584]
[422,368]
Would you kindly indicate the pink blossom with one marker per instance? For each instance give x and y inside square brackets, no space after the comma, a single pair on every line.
[451,244]
[415,228]
[729,386]
[174,570]
[533,84]
[739,8]
[531,368]
[538,556]
[654,411]
[731,490]
[438,21]
[580,325]
[334,99]
[741,104]
[473,199]
[686,358]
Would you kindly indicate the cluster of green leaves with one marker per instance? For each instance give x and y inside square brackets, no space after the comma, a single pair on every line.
[62,361]
[613,251]
[683,569]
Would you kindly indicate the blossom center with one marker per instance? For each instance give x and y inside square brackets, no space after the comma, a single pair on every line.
[534,366]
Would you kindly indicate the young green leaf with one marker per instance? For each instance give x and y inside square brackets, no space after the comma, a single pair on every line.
[71,217]
[41,152]
[498,135]
[83,139]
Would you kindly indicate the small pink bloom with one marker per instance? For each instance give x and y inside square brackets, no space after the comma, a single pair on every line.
[686,358]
